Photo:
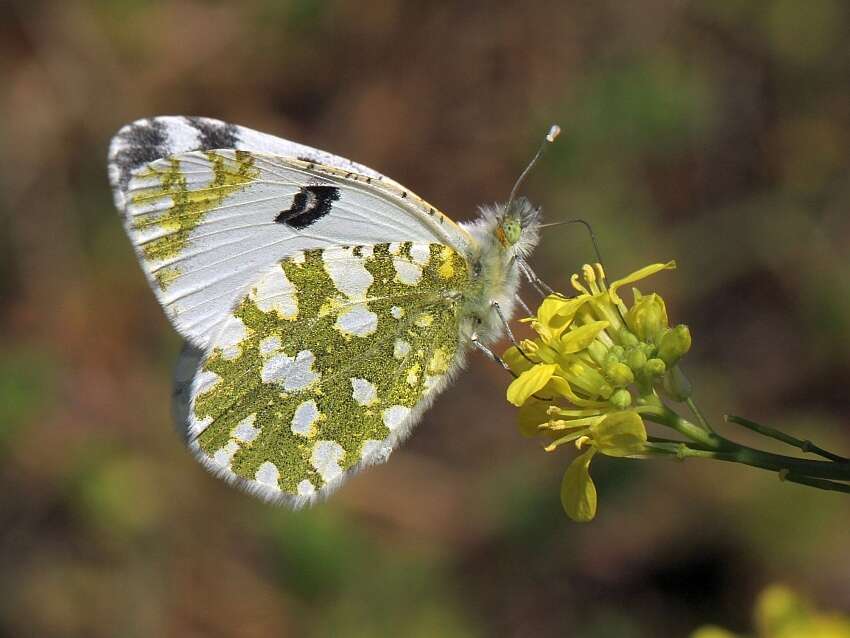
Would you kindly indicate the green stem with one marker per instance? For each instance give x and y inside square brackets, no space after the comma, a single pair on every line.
[665,416]
[714,446]
[821,484]
[681,451]
[805,446]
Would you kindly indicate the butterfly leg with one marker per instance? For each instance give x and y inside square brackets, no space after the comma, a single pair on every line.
[508,331]
[477,343]
[542,288]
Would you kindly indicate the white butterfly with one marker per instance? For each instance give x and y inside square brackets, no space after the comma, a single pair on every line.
[324,305]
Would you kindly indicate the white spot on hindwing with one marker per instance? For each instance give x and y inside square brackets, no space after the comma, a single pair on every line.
[275,293]
[406,272]
[401,349]
[306,488]
[420,253]
[348,272]
[245,430]
[223,456]
[268,474]
[397,312]
[363,391]
[269,345]
[358,321]
[306,415]
[292,373]
[326,458]
[395,415]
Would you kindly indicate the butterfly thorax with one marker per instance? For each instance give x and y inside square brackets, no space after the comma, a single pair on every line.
[501,238]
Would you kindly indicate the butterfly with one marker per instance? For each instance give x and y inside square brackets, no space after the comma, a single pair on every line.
[324,306]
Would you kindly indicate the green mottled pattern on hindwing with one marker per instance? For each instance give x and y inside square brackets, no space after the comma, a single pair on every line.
[365,359]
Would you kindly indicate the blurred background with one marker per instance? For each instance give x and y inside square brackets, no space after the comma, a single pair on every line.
[713,133]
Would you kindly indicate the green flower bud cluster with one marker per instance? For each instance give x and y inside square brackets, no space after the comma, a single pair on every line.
[642,361]
[662,345]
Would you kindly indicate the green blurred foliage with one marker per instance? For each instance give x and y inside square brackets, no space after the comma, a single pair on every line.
[27,390]
[713,133]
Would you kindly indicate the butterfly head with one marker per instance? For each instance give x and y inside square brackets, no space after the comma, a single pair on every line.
[517,226]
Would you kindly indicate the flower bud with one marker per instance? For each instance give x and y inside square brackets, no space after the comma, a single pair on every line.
[647,348]
[655,367]
[674,344]
[597,352]
[647,318]
[628,339]
[588,379]
[621,399]
[635,359]
[620,374]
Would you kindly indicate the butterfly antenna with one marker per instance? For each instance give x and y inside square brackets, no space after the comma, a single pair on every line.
[551,134]
[589,230]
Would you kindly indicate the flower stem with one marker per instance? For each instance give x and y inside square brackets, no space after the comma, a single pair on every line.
[665,416]
[681,450]
[712,445]
[805,446]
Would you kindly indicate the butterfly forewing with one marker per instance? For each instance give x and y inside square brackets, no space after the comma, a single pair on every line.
[323,366]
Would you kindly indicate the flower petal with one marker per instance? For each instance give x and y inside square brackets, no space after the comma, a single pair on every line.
[619,434]
[556,313]
[578,493]
[637,275]
[580,337]
[562,387]
[532,415]
[529,382]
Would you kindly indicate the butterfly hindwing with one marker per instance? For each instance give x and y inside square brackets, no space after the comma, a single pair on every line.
[206,223]
[325,364]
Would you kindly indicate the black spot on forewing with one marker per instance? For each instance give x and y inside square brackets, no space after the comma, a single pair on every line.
[144,142]
[213,135]
[309,205]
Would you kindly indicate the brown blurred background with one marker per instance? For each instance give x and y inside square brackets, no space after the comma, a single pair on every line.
[715,133]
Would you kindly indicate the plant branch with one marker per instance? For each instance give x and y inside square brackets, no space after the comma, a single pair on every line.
[805,446]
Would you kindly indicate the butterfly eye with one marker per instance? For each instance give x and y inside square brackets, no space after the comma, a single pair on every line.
[512,230]
[476,268]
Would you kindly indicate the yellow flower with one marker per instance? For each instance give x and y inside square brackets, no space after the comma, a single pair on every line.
[587,351]
[592,368]
[618,434]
